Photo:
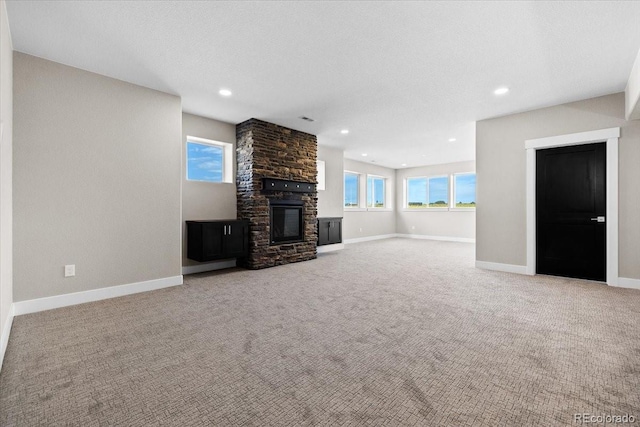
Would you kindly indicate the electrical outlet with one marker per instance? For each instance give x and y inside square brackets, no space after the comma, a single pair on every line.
[69,270]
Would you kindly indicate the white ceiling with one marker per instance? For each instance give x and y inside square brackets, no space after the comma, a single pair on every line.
[403,77]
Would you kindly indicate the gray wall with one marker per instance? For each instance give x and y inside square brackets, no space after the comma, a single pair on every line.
[501,168]
[360,223]
[6,144]
[441,223]
[206,200]
[96,180]
[330,200]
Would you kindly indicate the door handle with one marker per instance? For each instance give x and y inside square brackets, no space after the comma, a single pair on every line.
[598,218]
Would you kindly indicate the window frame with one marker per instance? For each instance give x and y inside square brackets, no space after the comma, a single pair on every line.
[344,190]
[453,192]
[385,204]
[227,159]
[445,208]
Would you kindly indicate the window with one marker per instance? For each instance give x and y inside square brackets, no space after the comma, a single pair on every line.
[375,192]
[208,161]
[427,192]
[464,190]
[351,194]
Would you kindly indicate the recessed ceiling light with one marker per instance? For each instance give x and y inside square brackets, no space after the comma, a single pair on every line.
[452,140]
[344,131]
[224,92]
[501,90]
[404,164]
[364,154]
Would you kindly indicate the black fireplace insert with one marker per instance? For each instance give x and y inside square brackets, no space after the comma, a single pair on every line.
[287,225]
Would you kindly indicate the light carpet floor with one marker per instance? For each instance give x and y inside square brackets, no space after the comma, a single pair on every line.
[393,332]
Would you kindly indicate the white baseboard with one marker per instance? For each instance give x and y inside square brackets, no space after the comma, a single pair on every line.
[330,248]
[48,303]
[369,238]
[624,282]
[4,339]
[508,268]
[442,238]
[210,266]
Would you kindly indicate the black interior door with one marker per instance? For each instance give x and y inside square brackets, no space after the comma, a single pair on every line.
[571,207]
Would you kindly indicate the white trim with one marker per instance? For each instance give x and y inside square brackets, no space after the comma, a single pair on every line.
[507,268]
[610,136]
[4,339]
[580,138]
[531,211]
[624,282]
[442,238]
[346,209]
[427,209]
[320,166]
[330,248]
[612,211]
[210,266]
[48,303]
[369,238]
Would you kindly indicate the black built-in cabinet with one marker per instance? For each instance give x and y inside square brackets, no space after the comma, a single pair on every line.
[329,230]
[213,240]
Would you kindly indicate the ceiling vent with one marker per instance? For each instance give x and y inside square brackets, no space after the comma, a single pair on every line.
[307,119]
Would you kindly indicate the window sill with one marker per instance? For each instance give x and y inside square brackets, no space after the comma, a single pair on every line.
[379,210]
[462,209]
[426,210]
[355,209]
[210,182]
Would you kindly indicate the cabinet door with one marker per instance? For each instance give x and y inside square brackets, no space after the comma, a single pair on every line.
[323,232]
[236,239]
[335,233]
[212,241]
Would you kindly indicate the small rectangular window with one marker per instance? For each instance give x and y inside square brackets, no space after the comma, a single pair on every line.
[375,192]
[423,192]
[464,190]
[205,162]
[351,194]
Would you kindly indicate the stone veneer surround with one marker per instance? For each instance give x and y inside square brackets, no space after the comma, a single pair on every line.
[266,150]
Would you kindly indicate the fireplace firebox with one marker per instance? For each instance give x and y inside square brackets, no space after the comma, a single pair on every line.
[287,225]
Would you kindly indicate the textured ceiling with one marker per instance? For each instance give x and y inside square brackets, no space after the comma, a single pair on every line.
[403,77]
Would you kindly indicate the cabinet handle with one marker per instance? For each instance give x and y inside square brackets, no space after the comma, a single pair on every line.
[225,230]
[229,230]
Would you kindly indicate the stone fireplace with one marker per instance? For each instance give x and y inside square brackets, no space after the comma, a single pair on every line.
[276,182]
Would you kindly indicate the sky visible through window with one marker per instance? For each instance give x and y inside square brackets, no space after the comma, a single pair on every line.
[350,190]
[204,162]
[437,190]
[375,192]
[465,187]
